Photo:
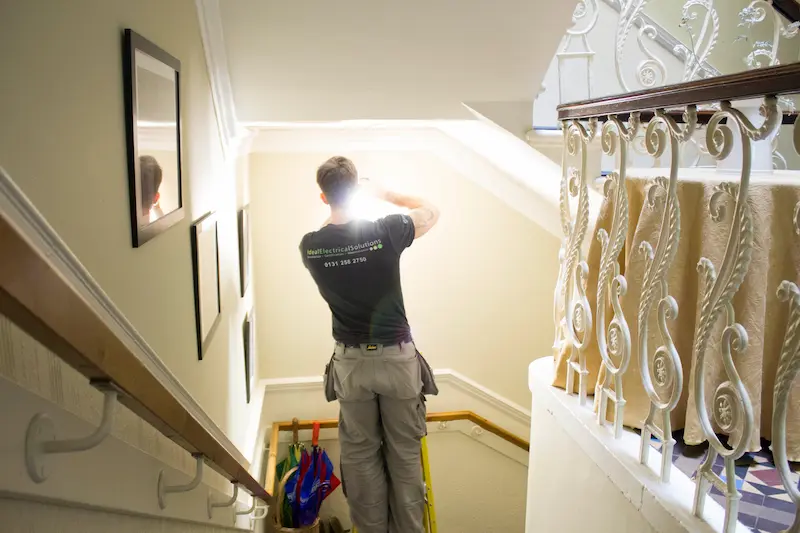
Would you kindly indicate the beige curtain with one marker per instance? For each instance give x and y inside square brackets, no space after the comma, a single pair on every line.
[776,257]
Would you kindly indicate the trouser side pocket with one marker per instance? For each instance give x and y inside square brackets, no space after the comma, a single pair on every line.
[429,387]
[328,381]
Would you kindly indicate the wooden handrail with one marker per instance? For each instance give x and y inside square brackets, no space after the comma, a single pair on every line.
[772,81]
[788,8]
[37,299]
[450,416]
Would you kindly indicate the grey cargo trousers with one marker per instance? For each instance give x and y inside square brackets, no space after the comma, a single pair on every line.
[381,422]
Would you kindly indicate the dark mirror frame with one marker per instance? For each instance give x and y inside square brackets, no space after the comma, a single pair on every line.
[142,230]
[248,341]
[243,218]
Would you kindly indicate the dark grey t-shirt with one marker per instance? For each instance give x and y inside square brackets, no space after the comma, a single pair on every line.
[356,267]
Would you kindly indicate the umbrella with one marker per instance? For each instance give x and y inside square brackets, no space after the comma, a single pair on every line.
[296,450]
[315,482]
[327,480]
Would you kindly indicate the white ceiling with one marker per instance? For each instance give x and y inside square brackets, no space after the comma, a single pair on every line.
[325,60]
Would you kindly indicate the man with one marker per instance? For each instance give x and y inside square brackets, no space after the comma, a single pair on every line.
[151,176]
[376,372]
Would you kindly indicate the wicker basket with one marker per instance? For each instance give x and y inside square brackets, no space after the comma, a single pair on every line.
[313,528]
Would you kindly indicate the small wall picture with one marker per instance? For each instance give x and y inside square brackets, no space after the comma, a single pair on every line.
[205,262]
[244,248]
[153,123]
[249,338]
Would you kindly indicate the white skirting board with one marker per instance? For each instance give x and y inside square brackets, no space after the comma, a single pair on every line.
[303,398]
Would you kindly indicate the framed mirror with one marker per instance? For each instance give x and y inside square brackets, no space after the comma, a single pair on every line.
[152,116]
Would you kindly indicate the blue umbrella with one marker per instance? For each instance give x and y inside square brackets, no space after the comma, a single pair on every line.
[315,483]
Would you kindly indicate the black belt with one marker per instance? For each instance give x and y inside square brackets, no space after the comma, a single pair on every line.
[359,345]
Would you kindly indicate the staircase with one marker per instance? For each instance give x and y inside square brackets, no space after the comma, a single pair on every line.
[647,45]
[448,93]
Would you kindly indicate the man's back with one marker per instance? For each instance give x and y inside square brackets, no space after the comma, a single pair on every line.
[356,267]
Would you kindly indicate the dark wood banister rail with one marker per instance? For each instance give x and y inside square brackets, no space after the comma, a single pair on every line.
[450,416]
[36,298]
[788,8]
[774,81]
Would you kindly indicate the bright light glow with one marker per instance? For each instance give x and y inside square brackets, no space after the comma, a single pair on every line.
[364,206]
[155,124]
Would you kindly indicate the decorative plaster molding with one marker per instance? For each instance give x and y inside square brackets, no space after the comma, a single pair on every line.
[454,386]
[525,180]
[210,19]
[20,212]
[476,390]
[443,376]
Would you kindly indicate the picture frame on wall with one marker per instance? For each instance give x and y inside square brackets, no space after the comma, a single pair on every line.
[153,133]
[244,248]
[248,338]
[205,266]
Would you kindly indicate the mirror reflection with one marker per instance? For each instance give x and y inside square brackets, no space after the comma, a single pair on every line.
[157,138]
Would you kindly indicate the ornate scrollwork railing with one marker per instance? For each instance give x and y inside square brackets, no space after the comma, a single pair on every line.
[577,314]
[765,53]
[788,367]
[703,40]
[615,344]
[650,72]
[725,414]
[732,409]
[664,383]
[576,43]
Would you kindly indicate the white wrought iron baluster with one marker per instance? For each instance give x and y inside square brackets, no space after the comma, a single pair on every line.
[649,72]
[755,13]
[559,315]
[733,411]
[664,383]
[702,43]
[788,367]
[579,33]
[577,320]
[778,160]
[611,285]
[700,150]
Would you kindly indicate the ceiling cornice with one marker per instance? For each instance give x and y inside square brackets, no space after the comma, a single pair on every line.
[329,139]
[210,19]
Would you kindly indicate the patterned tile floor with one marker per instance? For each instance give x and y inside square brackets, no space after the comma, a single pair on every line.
[765,507]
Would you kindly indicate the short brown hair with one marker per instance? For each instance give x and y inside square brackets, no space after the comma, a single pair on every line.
[151,176]
[337,177]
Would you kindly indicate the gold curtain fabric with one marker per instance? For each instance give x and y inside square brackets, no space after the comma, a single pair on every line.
[776,257]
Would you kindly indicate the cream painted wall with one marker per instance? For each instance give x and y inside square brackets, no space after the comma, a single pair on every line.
[62,139]
[478,288]
[568,490]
